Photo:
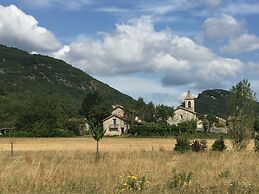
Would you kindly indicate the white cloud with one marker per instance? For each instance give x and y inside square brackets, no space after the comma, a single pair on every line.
[224,26]
[137,47]
[21,30]
[230,32]
[149,89]
[243,43]
[164,6]
[212,3]
[67,4]
[112,10]
[242,8]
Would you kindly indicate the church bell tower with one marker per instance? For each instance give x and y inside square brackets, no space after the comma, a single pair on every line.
[189,101]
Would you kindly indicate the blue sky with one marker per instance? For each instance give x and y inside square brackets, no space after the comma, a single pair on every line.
[154,49]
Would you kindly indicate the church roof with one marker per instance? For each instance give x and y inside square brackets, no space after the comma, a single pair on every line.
[186,109]
[189,96]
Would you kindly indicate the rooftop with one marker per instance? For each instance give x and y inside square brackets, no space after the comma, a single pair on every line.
[189,96]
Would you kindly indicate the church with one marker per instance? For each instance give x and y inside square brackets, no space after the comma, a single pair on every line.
[185,112]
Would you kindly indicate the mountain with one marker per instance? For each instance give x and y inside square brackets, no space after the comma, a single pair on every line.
[214,102]
[25,78]
[22,72]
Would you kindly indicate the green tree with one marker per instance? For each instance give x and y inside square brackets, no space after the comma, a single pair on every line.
[38,114]
[97,133]
[149,112]
[163,112]
[208,121]
[95,109]
[256,125]
[241,113]
[212,119]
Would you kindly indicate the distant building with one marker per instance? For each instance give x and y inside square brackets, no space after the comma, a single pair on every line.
[116,123]
[184,113]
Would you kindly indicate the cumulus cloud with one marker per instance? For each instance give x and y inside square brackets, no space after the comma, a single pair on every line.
[21,30]
[230,32]
[137,47]
[243,43]
[223,26]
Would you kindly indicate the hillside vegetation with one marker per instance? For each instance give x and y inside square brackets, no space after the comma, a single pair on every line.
[23,73]
[45,87]
[214,102]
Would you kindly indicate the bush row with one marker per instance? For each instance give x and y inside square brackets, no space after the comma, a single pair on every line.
[183,144]
[154,129]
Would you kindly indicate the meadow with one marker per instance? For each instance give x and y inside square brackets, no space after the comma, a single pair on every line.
[70,165]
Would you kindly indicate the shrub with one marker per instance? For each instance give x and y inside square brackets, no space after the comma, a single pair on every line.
[188,126]
[224,174]
[219,145]
[256,143]
[179,179]
[182,144]
[199,145]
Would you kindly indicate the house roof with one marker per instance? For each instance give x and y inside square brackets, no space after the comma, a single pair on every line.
[114,116]
[186,109]
[118,106]
[189,96]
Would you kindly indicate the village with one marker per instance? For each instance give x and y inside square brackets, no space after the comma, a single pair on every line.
[118,124]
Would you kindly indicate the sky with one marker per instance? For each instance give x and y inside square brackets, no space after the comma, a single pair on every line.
[155,49]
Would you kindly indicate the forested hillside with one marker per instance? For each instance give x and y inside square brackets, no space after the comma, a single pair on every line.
[36,85]
[214,102]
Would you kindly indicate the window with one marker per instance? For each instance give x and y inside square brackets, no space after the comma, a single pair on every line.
[181,117]
[189,104]
[114,121]
[113,129]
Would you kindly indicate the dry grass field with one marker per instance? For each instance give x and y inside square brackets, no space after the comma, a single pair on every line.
[69,165]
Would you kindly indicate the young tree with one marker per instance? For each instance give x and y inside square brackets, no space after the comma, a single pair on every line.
[95,109]
[241,113]
[97,134]
[11,140]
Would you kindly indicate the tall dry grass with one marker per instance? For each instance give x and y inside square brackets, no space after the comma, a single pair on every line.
[79,171]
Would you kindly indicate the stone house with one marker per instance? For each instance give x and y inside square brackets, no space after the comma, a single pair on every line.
[116,123]
[184,113]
